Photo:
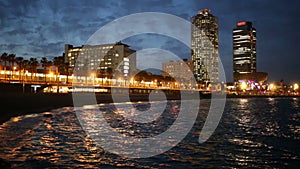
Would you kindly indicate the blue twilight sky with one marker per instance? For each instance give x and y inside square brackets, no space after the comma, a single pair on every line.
[41,28]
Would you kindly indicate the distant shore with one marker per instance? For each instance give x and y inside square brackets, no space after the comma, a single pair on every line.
[261,96]
[16,104]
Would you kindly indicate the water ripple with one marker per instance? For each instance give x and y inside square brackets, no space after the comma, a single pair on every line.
[253,133]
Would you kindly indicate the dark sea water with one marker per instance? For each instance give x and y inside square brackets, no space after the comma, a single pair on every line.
[253,133]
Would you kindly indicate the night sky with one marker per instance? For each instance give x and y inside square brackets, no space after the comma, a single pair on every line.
[41,28]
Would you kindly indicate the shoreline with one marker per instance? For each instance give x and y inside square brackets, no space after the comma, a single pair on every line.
[17,104]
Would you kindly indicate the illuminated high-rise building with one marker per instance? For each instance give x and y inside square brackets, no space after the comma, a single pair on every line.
[244,50]
[205,47]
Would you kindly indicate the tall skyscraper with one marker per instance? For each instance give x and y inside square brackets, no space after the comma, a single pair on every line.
[244,50]
[205,47]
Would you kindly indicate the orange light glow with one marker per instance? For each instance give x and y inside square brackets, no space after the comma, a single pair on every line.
[241,23]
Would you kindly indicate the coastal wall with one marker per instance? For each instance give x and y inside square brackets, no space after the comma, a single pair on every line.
[16,104]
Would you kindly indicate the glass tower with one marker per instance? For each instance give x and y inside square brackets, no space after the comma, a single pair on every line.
[244,49]
[205,48]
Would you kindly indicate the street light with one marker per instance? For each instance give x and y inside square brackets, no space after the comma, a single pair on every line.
[14,73]
[50,76]
[271,86]
[93,78]
[131,80]
[243,85]
[296,86]
[120,81]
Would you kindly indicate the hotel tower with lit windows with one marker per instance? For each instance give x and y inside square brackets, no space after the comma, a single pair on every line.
[102,60]
[244,54]
[205,47]
[244,49]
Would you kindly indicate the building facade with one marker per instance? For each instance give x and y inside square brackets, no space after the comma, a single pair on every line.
[102,60]
[178,69]
[205,47]
[244,49]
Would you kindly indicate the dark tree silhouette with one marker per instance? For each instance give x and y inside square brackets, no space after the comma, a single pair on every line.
[46,64]
[33,64]
[12,60]
[19,62]
[4,59]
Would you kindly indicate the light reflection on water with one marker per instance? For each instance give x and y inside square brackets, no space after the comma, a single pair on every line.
[253,133]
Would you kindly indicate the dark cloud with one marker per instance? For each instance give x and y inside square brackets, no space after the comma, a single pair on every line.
[41,28]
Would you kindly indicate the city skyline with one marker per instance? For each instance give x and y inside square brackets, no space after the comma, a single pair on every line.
[39,29]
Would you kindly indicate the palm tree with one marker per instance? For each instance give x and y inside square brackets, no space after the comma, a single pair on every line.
[33,64]
[12,60]
[26,66]
[19,61]
[59,64]
[4,58]
[46,64]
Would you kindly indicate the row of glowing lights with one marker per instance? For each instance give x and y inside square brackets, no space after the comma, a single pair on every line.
[92,77]
[51,74]
[26,73]
[271,86]
[243,85]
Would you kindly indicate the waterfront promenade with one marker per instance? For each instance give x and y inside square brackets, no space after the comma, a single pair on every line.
[19,96]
